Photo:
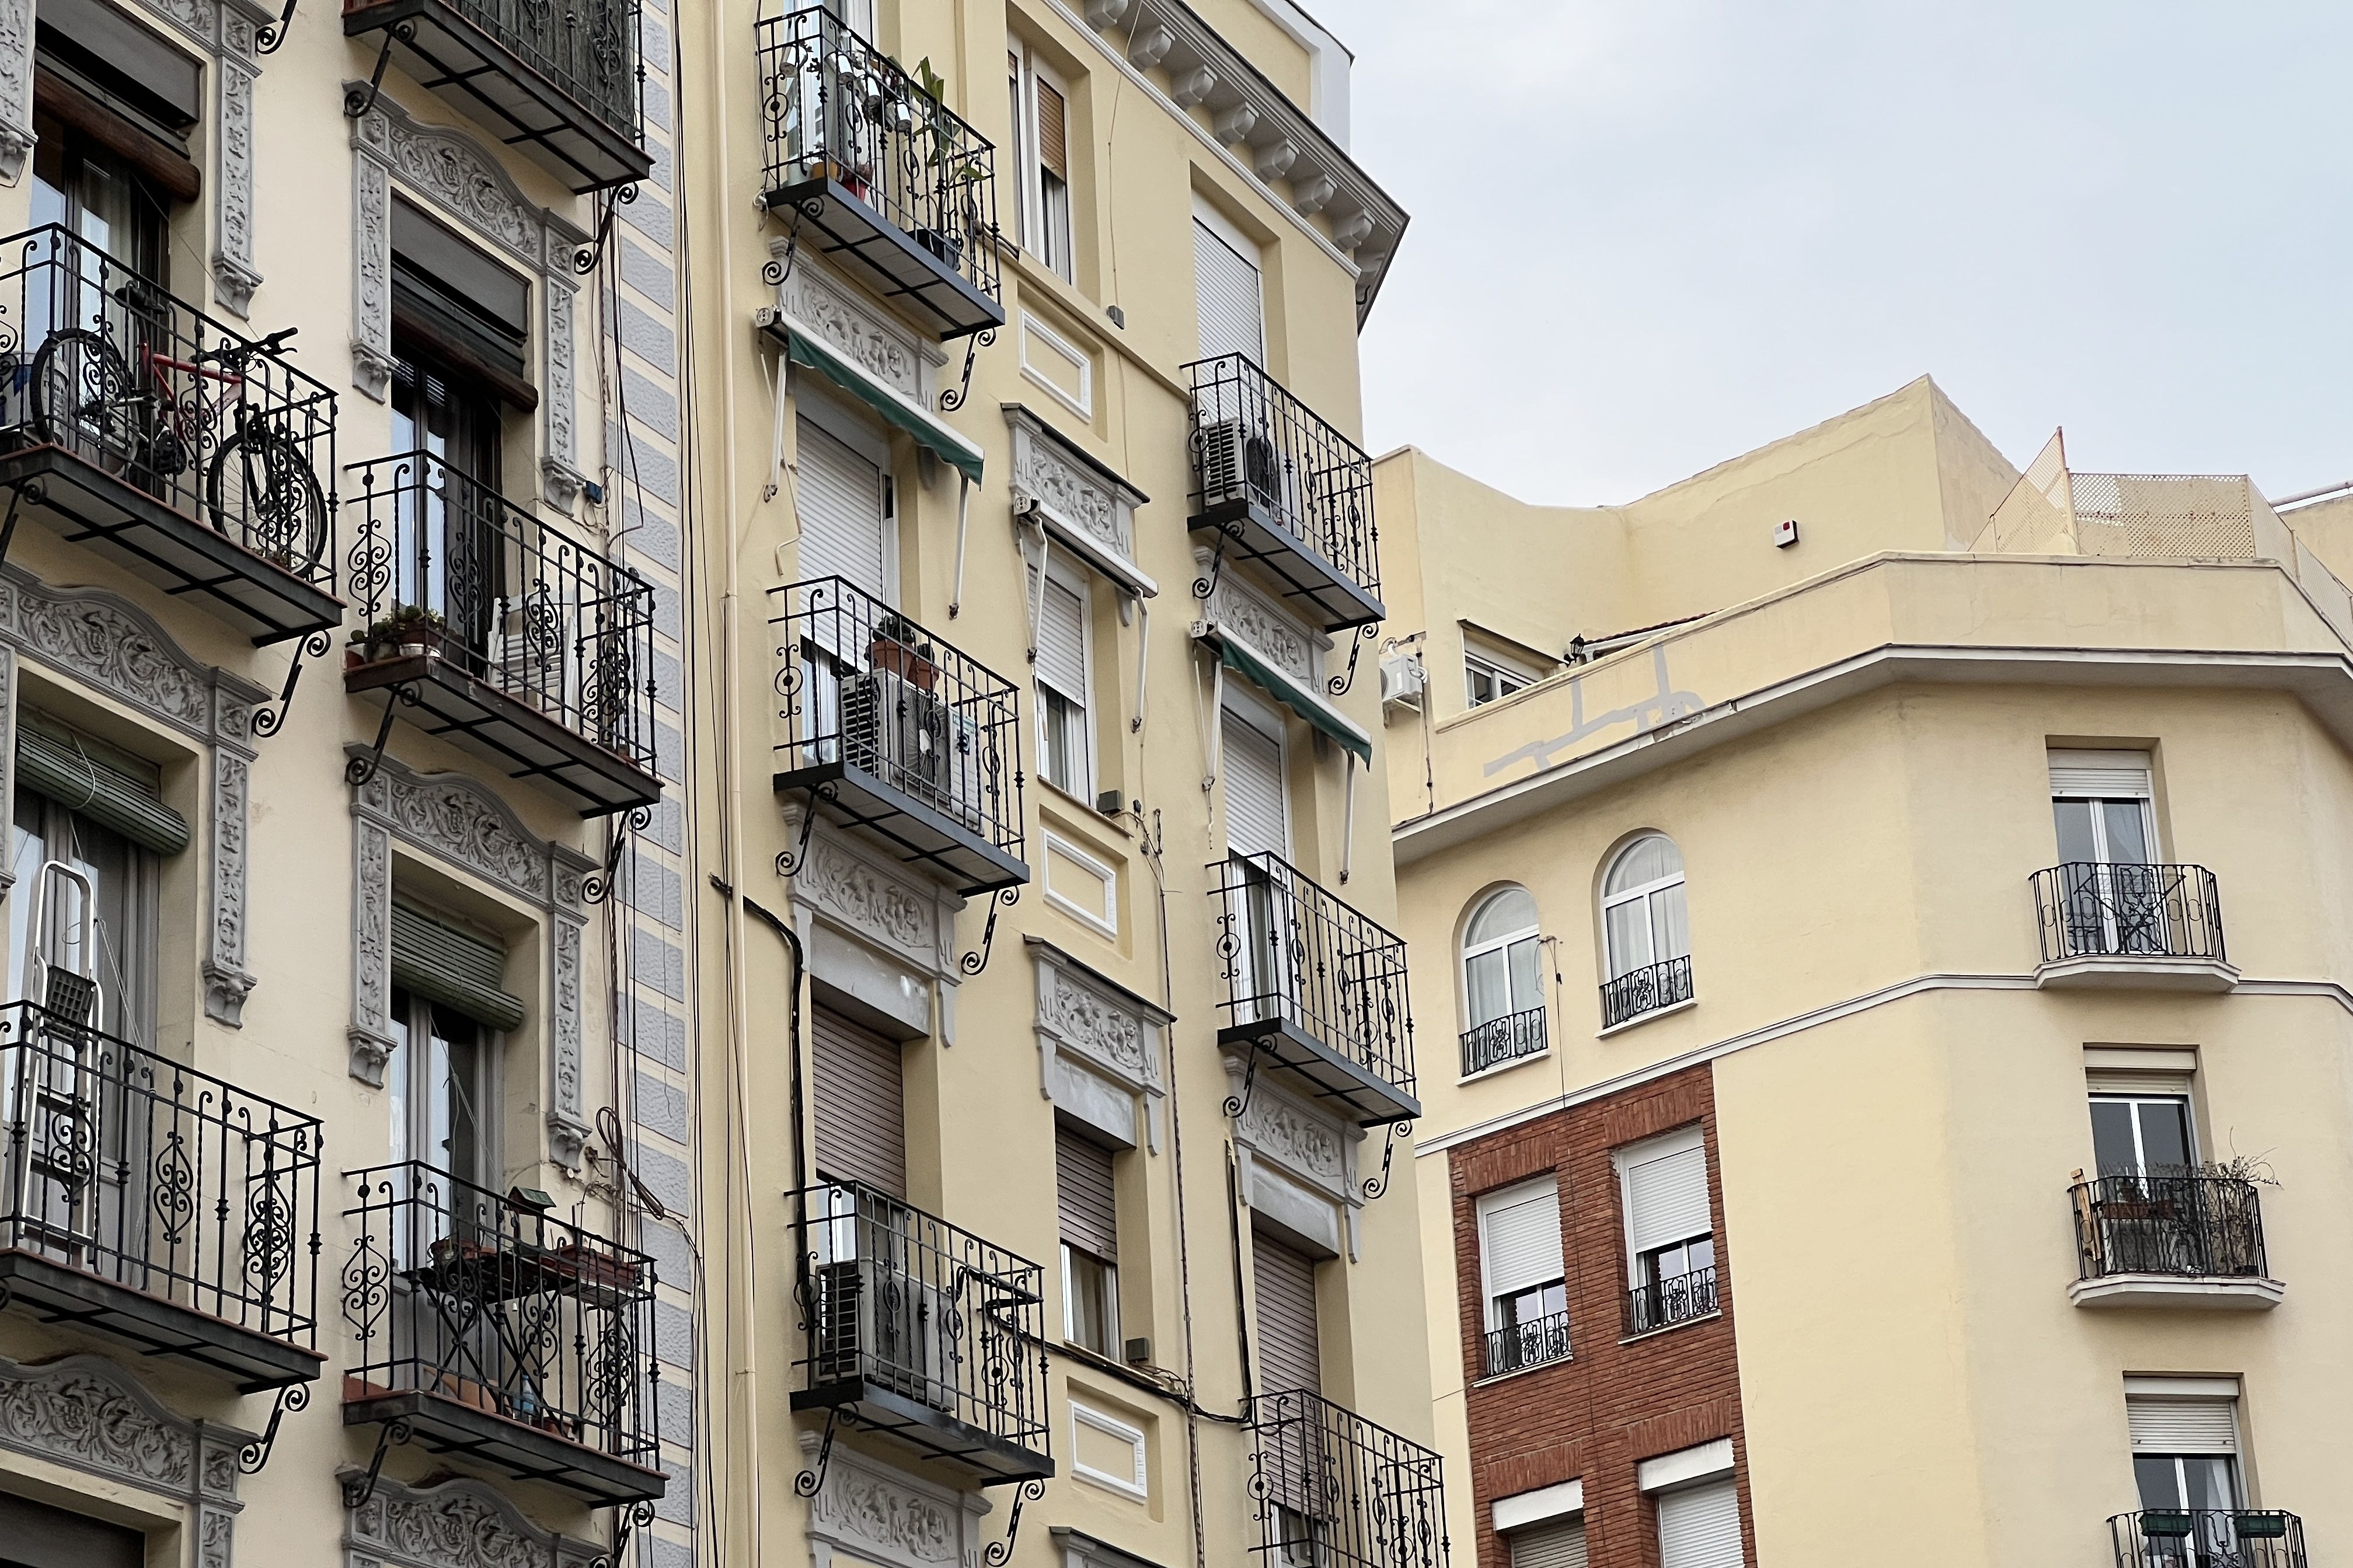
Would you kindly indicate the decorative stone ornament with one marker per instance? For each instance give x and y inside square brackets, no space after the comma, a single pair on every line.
[1297,1163]
[460,1524]
[1101,1047]
[866,1512]
[877,931]
[1282,638]
[1089,510]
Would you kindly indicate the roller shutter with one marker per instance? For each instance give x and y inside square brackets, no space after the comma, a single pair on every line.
[1666,1195]
[2102,776]
[1256,820]
[1062,640]
[1227,297]
[1083,1193]
[1290,1347]
[841,494]
[1559,1544]
[1520,1232]
[2170,1425]
[861,1106]
[448,965]
[111,789]
[1700,1528]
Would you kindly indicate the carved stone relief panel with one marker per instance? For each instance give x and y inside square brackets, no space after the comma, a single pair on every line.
[1297,1162]
[1087,509]
[1236,607]
[466,183]
[105,642]
[810,298]
[460,1524]
[875,1514]
[15,87]
[907,922]
[1099,1046]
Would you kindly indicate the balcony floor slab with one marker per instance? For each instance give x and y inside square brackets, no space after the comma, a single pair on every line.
[935,1434]
[2208,1293]
[2120,971]
[446,1426]
[55,1292]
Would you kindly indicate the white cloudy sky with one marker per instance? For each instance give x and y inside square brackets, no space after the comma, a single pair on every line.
[1648,235]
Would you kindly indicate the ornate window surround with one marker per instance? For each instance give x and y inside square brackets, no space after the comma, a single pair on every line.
[462,824]
[464,181]
[460,1524]
[1236,608]
[1298,1164]
[871,1513]
[101,640]
[223,33]
[1087,509]
[86,1414]
[907,922]
[1100,1046]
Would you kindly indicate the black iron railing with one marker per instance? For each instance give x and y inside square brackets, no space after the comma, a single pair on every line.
[866,688]
[1646,990]
[1255,445]
[136,1169]
[1678,1299]
[1518,1346]
[588,50]
[2092,908]
[442,562]
[498,1304]
[1503,1040]
[835,108]
[894,1299]
[2207,1538]
[103,362]
[1292,952]
[2190,1222]
[1329,1487]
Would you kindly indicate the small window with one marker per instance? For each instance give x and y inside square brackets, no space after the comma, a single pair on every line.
[1670,1238]
[1041,150]
[1089,1215]
[1230,303]
[1559,1544]
[2185,1450]
[1501,961]
[1488,680]
[440,1083]
[1699,1526]
[1065,738]
[1646,931]
[1525,1284]
[2104,808]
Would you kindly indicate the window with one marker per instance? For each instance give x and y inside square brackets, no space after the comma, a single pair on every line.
[2141,1134]
[1502,961]
[1228,296]
[2185,1452]
[1290,1339]
[1669,1238]
[1560,1544]
[439,1086]
[1488,680]
[2103,807]
[1258,818]
[1524,1284]
[1645,930]
[1699,1526]
[1065,738]
[1041,153]
[1088,1213]
[861,1116]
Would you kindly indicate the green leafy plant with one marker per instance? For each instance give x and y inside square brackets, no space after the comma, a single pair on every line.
[945,131]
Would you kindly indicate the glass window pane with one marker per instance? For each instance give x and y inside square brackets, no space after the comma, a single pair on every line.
[2113,1149]
[2128,832]
[1510,911]
[2211,1482]
[1627,927]
[1669,922]
[1528,990]
[1642,861]
[2164,1133]
[1489,988]
[2159,1476]
[2073,819]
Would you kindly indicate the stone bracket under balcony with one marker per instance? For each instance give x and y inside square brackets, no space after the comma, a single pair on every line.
[53,1293]
[2220,1294]
[566,93]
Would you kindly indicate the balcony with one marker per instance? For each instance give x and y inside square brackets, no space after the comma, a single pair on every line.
[2187,1239]
[135,424]
[1678,1299]
[922,1333]
[1286,490]
[561,83]
[1516,1347]
[1332,1489]
[1652,988]
[897,735]
[489,1328]
[1317,989]
[875,171]
[1502,1040]
[2207,1538]
[2112,926]
[495,629]
[155,1203]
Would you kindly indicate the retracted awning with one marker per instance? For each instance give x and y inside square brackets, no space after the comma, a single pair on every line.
[804,347]
[1245,660]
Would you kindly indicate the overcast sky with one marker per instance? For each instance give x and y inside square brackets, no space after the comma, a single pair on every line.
[1650,234]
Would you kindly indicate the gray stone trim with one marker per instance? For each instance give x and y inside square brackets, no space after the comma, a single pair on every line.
[465,182]
[906,922]
[1089,511]
[463,823]
[811,298]
[460,1524]
[104,641]
[871,1512]
[225,31]
[87,1413]
[1100,1046]
[1236,606]
[15,87]
[1297,1163]
[7,748]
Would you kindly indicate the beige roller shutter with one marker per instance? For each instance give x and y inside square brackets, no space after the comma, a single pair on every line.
[1053,131]
[1700,1527]
[1290,1346]
[862,1110]
[1558,1544]
[1256,820]
[2167,1424]
[2103,775]
[841,494]
[1062,639]
[1227,297]
[1083,1194]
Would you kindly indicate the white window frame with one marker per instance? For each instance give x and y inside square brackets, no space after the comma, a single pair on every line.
[1646,891]
[1624,1158]
[1030,166]
[1136,1484]
[2182,1097]
[1512,1197]
[1505,678]
[1077,584]
[1502,944]
[1070,1301]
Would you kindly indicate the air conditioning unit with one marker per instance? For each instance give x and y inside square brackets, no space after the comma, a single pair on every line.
[895,729]
[1402,680]
[530,671]
[880,1322]
[1240,461]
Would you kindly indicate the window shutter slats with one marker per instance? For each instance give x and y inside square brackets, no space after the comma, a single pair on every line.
[2110,775]
[441,963]
[1666,1199]
[862,1110]
[2115,1080]
[1523,1239]
[1560,1544]
[1062,640]
[1290,1347]
[2164,1425]
[1053,131]
[1256,821]
[1700,1528]
[1227,299]
[840,511]
[1083,1193]
[75,777]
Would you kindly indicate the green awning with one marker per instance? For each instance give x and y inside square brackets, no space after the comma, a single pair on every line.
[1245,660]
[80,776]
[805,348]
[439,962]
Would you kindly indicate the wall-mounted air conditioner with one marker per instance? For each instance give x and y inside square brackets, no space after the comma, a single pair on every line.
[1240,461]
[1402,679]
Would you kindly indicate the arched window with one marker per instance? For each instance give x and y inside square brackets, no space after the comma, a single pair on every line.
[1500,987]
[1645,930]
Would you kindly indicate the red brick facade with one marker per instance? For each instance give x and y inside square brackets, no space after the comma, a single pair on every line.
[1598,1414]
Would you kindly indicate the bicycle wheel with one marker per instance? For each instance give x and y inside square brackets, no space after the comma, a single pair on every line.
[262,492]
[84,400]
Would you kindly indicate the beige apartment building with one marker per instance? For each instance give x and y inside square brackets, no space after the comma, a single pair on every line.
[699,869]
[1882,901]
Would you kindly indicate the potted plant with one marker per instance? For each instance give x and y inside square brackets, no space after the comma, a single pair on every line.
[410,631]
[953,168]
[899,649]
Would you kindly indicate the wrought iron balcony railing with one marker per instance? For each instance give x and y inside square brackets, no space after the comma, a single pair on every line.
[1329,1487]
[2190,1223]
[1649,989]
[897,731]
[520,629]
[923,1329]
[1284,489]
[878,171]
[2096,909]
[1519,1346]
[155,1202]
[494,1328]
[2207,1538]
[1678,1299]
[195,456]
[1503,1040]
[1317,985]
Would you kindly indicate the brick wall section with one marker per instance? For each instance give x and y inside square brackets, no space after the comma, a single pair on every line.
[1600,1413]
